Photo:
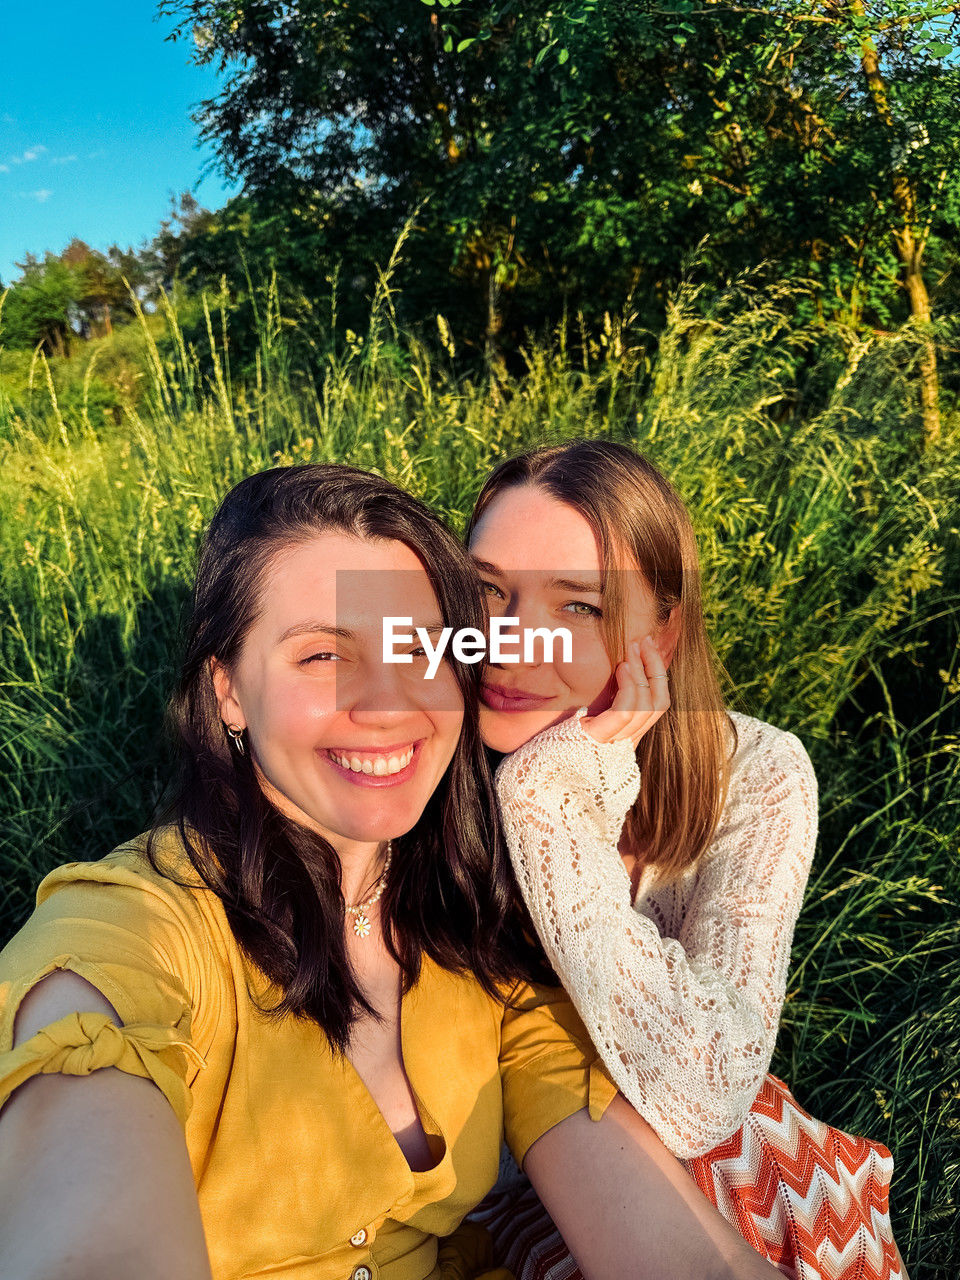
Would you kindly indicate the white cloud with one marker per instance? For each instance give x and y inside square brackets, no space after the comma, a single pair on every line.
[4,168]
[41,196]
[31,153]
[62,159]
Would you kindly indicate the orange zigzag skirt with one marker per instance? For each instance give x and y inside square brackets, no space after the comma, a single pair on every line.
[810,1199]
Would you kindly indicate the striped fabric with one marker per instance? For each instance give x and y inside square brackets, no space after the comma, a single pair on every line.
[810,1199]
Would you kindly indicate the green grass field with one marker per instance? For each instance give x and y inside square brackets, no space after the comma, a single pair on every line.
[831,561]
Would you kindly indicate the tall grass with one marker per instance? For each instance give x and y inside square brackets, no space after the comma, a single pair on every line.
[831,570]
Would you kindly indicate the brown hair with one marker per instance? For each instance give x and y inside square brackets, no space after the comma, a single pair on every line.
[639,519]
[451,893]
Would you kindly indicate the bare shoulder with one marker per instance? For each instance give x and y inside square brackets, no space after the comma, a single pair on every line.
[54,997]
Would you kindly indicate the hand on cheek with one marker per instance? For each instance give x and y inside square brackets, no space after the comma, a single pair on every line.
[642,696]
[604,699]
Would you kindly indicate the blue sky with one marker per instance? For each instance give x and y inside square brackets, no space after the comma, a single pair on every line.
[95,129]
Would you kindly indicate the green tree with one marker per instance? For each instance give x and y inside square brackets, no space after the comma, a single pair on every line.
[368,132]
[279,241]
[105,284]
[41,304]
[162,259]
[577,152]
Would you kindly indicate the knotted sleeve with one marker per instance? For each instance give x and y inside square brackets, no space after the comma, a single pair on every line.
[83,1042]
[135,940]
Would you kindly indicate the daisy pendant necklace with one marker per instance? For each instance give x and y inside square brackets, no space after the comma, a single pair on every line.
[360,913]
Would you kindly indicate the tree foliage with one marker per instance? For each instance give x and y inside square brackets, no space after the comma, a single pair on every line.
[37,309]
[556,160]
[72,294]
[574,152]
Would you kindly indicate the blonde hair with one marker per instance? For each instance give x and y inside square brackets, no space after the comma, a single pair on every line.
[639,519]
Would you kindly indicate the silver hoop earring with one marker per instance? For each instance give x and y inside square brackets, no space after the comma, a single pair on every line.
[235,734]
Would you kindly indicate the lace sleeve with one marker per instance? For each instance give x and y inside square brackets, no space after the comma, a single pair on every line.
[686,1026]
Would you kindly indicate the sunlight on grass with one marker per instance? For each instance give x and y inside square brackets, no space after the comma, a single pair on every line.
[831,562]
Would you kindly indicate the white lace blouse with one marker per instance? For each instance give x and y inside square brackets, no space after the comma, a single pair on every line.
[682,990]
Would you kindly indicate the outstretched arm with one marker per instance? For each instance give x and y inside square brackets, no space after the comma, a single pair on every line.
[95,1181]
[686,1027]
[626,1207]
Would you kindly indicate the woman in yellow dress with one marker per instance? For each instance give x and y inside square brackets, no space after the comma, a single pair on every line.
[283,1034]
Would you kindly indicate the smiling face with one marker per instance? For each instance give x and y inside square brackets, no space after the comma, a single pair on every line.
[540,561]
[342,743]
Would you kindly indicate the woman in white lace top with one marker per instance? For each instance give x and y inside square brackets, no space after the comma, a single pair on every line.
[663,845]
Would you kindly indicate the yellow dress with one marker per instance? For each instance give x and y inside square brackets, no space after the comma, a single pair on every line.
[297,1173]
